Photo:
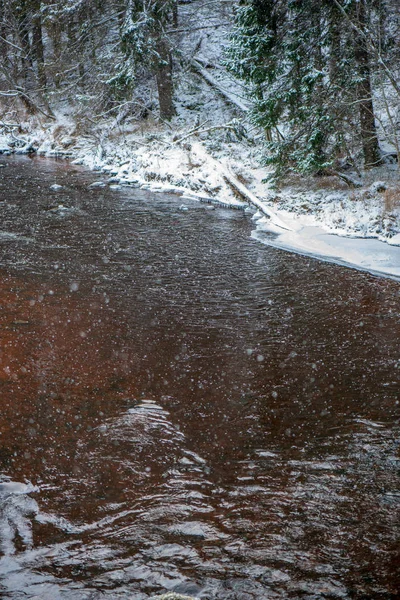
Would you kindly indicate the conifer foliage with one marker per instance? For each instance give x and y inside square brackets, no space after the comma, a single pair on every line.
[311,66]
[147,44]
[323,75]
[98,52]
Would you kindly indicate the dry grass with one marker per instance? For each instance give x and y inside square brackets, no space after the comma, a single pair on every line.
[59,132]
[364,196]
[314,184]
[392,199]
[243,179]
[328,183]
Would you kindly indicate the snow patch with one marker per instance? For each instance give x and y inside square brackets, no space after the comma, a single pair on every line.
[370,255]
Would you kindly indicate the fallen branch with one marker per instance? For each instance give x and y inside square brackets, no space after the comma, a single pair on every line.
[234,182]
[31,105]
[6,126]
[191,132]
[198,131]
[252,199]
[228,96]
[348,180]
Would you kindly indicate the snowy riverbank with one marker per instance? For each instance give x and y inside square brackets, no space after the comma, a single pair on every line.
[366,254]
[358,228]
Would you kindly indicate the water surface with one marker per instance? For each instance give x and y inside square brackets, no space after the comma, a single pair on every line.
[185,409]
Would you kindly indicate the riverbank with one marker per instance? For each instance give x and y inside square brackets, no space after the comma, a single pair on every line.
[321,217]
[170,389]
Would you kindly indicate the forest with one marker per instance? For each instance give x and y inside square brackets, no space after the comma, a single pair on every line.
[199,299]
[315,70]
[297,88]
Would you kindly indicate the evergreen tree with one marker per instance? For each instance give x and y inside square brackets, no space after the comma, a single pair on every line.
[369,138]
[147,45]
[309,74]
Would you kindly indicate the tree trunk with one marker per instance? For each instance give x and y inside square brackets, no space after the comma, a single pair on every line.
[3,34]
[37,45]
[175,17]
[26,56]
[55,35]
[76,49]
[335,40]
[369,136]
[164,81]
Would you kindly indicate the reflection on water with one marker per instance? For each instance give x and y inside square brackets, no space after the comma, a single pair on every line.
[182,408]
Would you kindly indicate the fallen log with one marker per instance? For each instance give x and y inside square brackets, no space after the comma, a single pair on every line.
[234,182]
[348,180]
[228,96]
[240,188]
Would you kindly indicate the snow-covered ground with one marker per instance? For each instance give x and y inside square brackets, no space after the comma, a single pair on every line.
[358,229]
[366,254]
[333,224]
[210,145]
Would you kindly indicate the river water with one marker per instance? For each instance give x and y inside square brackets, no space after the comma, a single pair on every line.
[185,409]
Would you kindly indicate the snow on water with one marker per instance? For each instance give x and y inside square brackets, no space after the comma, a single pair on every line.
[172,596]
[320,219]
[4,144]
[16,510]
[370,212]
[370,255]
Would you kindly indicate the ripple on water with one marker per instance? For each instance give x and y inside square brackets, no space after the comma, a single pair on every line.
[197,412]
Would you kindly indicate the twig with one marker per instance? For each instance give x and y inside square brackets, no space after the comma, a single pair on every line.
[214,83]
[191,132]
[33,104]
[230,127]
[371,43]
[9,125]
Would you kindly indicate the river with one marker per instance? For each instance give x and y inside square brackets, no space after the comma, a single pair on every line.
[183,408]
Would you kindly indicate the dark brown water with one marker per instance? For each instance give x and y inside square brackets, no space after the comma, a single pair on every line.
[184,409]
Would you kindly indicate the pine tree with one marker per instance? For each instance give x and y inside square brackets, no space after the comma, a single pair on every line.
[364,88]
[276,48]
[309,73]
[146,45]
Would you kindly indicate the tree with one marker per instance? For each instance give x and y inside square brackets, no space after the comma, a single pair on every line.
[18,50]
[308,67]
[147,45]
[369,136]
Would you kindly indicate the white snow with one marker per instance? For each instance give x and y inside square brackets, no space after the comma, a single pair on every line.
[335,225]
[4,144]
[370,255]
[326,223]
[172,596]
[97,184]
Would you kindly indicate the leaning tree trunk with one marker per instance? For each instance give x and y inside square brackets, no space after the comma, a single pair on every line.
[75,49]
[37,45]
[55,35]
[26,54]
[369,135]
[164,81]
[3,33]
[175,14]
[335,18]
